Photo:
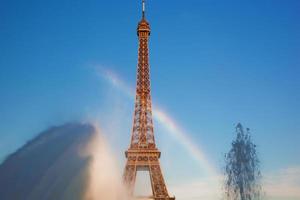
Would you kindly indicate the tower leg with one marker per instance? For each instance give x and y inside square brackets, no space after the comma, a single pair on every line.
[145,160]
[129,178]
[158,184]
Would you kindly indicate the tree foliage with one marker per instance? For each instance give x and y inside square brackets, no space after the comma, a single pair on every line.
[242,174]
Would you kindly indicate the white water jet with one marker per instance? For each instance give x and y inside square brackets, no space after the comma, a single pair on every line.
[105,180]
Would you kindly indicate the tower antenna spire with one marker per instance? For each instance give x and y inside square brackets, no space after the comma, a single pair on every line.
[144,8]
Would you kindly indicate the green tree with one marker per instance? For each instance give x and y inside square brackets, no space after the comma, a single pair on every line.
[242,174]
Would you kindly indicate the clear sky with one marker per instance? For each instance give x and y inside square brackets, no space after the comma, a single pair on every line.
[214,63]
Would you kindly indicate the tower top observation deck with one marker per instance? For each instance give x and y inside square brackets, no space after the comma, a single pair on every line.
[143,26]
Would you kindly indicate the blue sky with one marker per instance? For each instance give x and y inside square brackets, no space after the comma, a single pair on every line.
[213,64]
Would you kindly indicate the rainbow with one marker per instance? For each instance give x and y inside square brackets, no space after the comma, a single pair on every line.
[165,121]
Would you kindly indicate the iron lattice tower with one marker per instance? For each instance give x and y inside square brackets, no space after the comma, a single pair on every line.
[142,154]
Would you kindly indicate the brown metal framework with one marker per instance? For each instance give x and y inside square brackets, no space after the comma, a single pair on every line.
[142,153]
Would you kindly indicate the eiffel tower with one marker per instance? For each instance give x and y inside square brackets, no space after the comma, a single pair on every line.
[143,154]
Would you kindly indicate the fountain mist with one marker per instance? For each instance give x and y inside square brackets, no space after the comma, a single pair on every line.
[105,180]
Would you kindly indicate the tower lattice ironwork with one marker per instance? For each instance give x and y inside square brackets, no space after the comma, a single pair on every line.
[143,154]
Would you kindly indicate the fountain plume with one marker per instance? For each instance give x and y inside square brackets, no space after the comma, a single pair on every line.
[105,180]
